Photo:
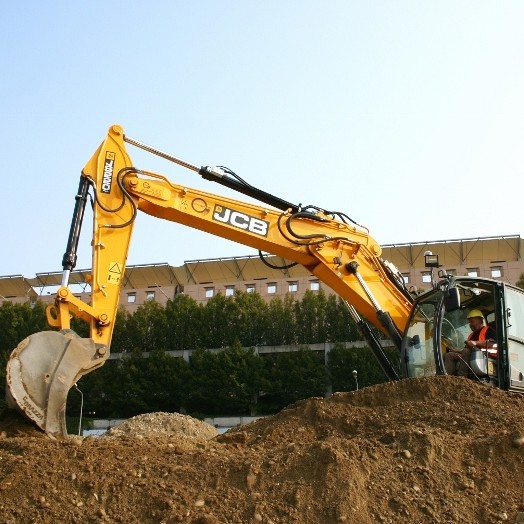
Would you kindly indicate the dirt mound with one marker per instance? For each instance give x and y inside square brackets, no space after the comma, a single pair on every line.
[163,424]
[440,449]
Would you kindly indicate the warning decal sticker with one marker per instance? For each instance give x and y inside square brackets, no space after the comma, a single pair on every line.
[115,273]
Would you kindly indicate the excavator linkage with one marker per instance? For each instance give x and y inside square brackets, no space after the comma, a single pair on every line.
[41,371]
[329,244]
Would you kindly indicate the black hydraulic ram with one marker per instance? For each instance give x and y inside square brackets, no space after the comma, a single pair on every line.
[374,343]
[220,176]
[216,175]
[383,316]
[70,256]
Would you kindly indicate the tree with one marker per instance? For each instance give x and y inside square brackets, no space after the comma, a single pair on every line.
[340,327]
[281,321]
[219,317]
[310,318]
[184,323]
[146,329]
[122,339]
[251,323]
[17,322]
[100,389]
[520,281]
[232,381]
[165,383]
[223,382]
[291,376]
[126,396]
[133,385]
[343,360]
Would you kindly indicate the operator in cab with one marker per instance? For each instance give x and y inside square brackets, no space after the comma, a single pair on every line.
[456,361]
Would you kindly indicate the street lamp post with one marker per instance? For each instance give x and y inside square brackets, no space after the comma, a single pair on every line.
[81,409]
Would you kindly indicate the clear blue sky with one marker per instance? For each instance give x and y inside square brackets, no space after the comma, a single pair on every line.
[406,115]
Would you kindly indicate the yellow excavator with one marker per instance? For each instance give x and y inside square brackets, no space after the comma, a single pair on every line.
[330,245]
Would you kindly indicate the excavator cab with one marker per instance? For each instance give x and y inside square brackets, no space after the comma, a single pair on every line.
[435,326]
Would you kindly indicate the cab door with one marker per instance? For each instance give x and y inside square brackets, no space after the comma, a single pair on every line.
[512,361]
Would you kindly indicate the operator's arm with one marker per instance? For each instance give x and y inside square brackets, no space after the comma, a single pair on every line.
[488,343]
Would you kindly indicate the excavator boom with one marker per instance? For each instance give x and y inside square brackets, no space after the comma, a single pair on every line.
[331,246]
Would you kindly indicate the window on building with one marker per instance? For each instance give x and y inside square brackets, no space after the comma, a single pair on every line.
[496,272]
[271,288]
[292,287]
[405,276]
[230,291]
[209,291]
[250,288]
[473,271]
[131,298]
[426,277]
[314,285]
[150,295]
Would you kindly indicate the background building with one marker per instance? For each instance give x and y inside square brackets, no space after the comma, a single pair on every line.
[499,258]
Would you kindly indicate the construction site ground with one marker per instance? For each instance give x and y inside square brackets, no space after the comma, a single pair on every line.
[429,450]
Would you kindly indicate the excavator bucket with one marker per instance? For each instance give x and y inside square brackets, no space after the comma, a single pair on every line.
[41,371]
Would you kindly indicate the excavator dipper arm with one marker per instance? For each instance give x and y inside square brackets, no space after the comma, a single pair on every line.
[339,252]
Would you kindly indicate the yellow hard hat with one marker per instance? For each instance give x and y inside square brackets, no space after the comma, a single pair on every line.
[475,313]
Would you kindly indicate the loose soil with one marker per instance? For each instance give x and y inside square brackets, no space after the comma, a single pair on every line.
[432,450]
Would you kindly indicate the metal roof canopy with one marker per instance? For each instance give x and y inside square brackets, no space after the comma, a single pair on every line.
[15,286]
[245,268]
[234,269]
[459,251]
[143,275]
[152,275]
[54,278]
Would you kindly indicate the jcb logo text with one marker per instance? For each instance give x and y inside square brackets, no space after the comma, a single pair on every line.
[241,220]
